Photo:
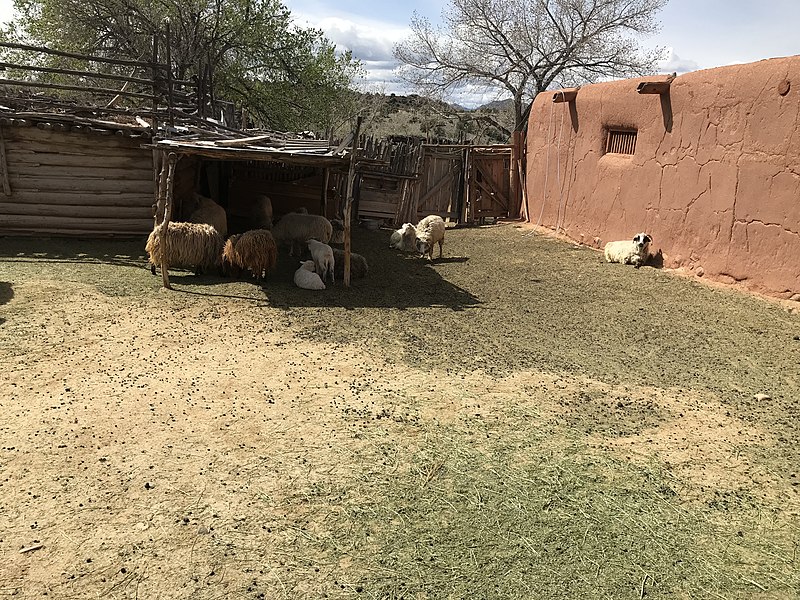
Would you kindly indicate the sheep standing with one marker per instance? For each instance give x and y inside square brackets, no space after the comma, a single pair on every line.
[338,231]
[430,231]
[322,255]
[208,211]
[404,239]
[306,278]
[296,229]
[254,251]
[195,246]
[629,252]
[358,265]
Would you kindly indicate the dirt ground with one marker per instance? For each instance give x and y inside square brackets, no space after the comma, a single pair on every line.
[228,440]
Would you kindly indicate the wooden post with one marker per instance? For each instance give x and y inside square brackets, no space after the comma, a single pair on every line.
[168,58]
[166,184]
[513,174]
[348,203]
[4,165]
[326,177]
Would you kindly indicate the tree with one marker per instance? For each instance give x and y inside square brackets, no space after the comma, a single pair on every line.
[287,77]
[523,47]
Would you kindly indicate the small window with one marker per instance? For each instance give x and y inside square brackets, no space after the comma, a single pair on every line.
[621,141]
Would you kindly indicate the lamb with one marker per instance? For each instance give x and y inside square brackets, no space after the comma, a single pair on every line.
[195,246]
[208,211]
[629,252]
[430,231]
[306,278]
[404,239]
[322,255]
[296,229]
[254,251]
[358,265]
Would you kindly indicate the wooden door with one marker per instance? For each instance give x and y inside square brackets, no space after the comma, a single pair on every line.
[489,183]
[441,182]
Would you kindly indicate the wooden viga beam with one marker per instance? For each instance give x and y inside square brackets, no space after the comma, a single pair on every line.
[565,95]
[655,87]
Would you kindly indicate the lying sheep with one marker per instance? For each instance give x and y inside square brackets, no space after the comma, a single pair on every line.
[358,265]
[629,252]
[306,278]
[253,251]
[195,246]
[208,211]
[322,255]
[404,239]
[430,231]
[296,229]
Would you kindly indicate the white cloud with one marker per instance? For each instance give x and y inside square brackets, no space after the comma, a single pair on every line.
[674,63]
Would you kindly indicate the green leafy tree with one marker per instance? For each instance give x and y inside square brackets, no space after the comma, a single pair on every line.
[284,76]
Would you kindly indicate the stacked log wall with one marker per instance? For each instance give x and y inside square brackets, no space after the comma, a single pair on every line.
[72,181]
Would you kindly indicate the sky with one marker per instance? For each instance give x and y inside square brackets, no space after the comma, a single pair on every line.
[695,34]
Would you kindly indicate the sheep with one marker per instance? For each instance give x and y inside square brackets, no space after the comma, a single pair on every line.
[195,246]
[322,255]
[404,238]
[430,231]
[262,212]
[254,251]
[296,229]
[338,231]
[208,211]
[358,265]
[629,252]
[306,278]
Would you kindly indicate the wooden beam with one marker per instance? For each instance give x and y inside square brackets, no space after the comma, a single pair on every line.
[565,95]
[4,165]
[168,182]
[656,87]
[348,203]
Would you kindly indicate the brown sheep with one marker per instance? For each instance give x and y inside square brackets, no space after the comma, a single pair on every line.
[189,246]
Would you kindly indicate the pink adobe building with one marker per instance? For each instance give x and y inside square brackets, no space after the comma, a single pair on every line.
[707,163]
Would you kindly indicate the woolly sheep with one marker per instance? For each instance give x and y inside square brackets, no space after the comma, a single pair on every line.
[629,252]
[195,246]
[262,213]
[322,255]
[306,278]
[296,229]
[338,231]
[254,251]
[208,211]
[430,231]
[404,238]
[358,265]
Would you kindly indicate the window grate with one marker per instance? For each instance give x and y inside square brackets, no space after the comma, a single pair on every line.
[621,141]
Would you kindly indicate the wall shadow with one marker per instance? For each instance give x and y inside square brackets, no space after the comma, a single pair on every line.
[128,252]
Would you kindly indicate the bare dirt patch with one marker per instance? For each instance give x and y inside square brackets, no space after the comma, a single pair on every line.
[518,419]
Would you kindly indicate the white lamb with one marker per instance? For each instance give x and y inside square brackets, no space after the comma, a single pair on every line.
[305,277]
[430,231]
[404,239]
[322,255]
[629,252]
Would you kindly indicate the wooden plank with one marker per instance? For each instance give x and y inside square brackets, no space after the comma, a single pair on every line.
[75,233]
[65,160]
[76,184]
[4,164]
[69,210]
[387,207]
[79,172]
[56,135]
[86,146]
[59,223]
[83,199]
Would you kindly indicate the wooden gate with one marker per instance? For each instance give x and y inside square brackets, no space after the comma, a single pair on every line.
[489,183]
[441,182]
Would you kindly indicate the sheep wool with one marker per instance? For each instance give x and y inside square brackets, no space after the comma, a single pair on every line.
[195,246]
[296,229]
[430,231]
[358,265]
[629,252]
[253,251]
[306,278]
[209,212]
[323,258]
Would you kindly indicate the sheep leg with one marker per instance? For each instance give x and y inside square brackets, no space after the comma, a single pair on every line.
[153,269]
[441,242]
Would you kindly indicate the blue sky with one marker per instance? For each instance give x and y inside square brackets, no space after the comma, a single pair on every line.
[696,34]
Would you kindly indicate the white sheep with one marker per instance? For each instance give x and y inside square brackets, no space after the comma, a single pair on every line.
[404,238]
[208,211]
[629,252]
[358,265]
[322,255]
[296,229]
[306,278]
[430,231]
[195,246]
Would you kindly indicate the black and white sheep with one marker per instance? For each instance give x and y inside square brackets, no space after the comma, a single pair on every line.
[629,252]
[195,246]
[322,255]
[253,251]
[358,265]
[296,229]
[430,231]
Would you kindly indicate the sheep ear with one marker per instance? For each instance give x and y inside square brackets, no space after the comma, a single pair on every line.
[648,239]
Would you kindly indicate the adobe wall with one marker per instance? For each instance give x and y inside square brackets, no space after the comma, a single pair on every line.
[715,176]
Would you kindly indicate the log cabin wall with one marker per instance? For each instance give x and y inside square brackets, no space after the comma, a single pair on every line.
[74,181]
